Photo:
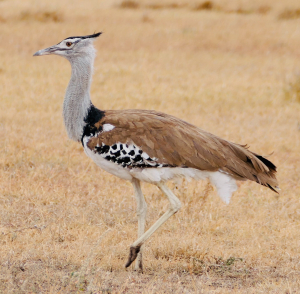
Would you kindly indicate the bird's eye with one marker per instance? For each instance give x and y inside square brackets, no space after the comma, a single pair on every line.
[69,44]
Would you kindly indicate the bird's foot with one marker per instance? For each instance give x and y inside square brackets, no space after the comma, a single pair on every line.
[139,263]
[132,255]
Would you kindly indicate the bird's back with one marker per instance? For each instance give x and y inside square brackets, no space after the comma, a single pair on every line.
[171,142]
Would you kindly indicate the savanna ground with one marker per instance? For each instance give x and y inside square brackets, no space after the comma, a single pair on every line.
[230,67]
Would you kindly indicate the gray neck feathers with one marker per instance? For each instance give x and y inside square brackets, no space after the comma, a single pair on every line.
[77,99]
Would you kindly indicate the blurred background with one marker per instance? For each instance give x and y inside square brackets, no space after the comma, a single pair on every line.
[230,67]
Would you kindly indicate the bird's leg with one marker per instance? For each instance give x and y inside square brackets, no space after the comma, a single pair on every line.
[175,206]
[141,213]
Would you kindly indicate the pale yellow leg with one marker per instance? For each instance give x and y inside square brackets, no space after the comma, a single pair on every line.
[175,206]
[141,213]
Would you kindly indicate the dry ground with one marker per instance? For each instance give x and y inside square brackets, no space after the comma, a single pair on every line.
[226,66]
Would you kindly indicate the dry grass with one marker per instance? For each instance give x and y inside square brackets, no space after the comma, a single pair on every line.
[66,225]
[206,5]
[195,6]
[289,14]
[41,16]
[129,4]
[292,89]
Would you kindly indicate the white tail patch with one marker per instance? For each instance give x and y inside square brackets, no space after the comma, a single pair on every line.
[225,185]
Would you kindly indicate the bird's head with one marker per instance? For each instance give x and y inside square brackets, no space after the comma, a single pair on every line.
[72,47]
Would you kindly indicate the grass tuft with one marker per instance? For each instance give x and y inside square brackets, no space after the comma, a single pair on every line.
[289,14]
[41,16]
[156,6]
[291,91]
[207,5]
[264,9]
[129,4]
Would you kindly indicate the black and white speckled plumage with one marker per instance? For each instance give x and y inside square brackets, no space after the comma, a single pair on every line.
[127,156]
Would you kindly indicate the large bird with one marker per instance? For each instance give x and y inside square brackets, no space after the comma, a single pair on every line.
[149,146]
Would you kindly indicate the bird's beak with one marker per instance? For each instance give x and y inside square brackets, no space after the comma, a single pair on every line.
[46,51]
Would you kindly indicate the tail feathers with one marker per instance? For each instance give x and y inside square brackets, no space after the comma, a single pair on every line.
[248,165]
[266,162]
[273,189]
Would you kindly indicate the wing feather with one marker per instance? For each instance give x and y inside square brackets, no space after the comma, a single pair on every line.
[175,142]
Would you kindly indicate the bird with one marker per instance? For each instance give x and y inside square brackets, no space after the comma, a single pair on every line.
[150,146]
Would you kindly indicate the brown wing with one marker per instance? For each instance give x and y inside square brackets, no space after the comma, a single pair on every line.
[177,143]
[170,140]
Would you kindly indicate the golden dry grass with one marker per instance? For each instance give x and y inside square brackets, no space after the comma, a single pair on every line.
[66,225]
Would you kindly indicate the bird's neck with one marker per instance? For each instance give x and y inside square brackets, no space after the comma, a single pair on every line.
[77,99]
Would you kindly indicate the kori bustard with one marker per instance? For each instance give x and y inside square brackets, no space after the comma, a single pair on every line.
[149,146]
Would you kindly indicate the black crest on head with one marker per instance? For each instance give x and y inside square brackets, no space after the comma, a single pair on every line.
[86,37]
